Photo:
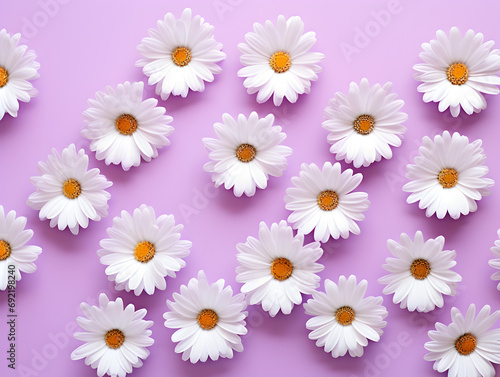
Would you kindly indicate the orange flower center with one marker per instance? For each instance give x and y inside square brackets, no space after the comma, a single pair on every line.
[364,124]
[328,200]
[72,189]
[207,319]
[144,251]
[126,124]
[280,62]
[5,250]
[114,338]
[246,152]
[466,344]
[281,269]
[448,178]
[4,77]
[457,74]
[420,269]
[181,56]
[345,315]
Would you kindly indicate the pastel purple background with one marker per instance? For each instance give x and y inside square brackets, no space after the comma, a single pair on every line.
[84,46]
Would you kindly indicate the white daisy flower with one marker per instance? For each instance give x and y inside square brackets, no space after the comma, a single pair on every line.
[343,319]
[209,320]
[142,250]
[277,268]
[67,193]
[457,71]
[13,248]
[420,273]
[322,200]
[365,123]
[247,152]
[495,263]
[277,60]
[17,68]
[181,55]
[123,128]
[115,338]
[467,346]
[448,176]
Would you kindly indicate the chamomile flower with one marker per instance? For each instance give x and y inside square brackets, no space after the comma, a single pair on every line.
[495,263]
[323,201]
[277,60]
[457,70]
[420,272]
[343,319]
[180,55]
[67,193]
[208,318]
[448,176]
[123,128]
[467,346]
[115,337]
[13,249]
[17,69]
[364,124]
[142,250]
[278,268]
[247,152]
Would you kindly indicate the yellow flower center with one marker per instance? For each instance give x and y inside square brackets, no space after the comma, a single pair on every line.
[448,177]
[5,250]
[328,200]
[181,56]
[364,124]
[114,338]
[457,74]
[207,319]
[280,62]
[4,77]
[72,189]
[420,269]
[345,315]
[126,124]
[466,344]
[144,251]
[281,269]
[246,152]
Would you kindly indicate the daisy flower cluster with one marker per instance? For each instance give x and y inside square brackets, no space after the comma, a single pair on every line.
[246,153]
[457,70]
[448,176]
[277,268]
[15,255]
[420,272]
[364,124]
[67,193]
[142,250]
[18,68]
[116,337]
[467,346]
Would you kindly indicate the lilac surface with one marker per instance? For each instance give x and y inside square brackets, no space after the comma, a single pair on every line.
[85,46]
